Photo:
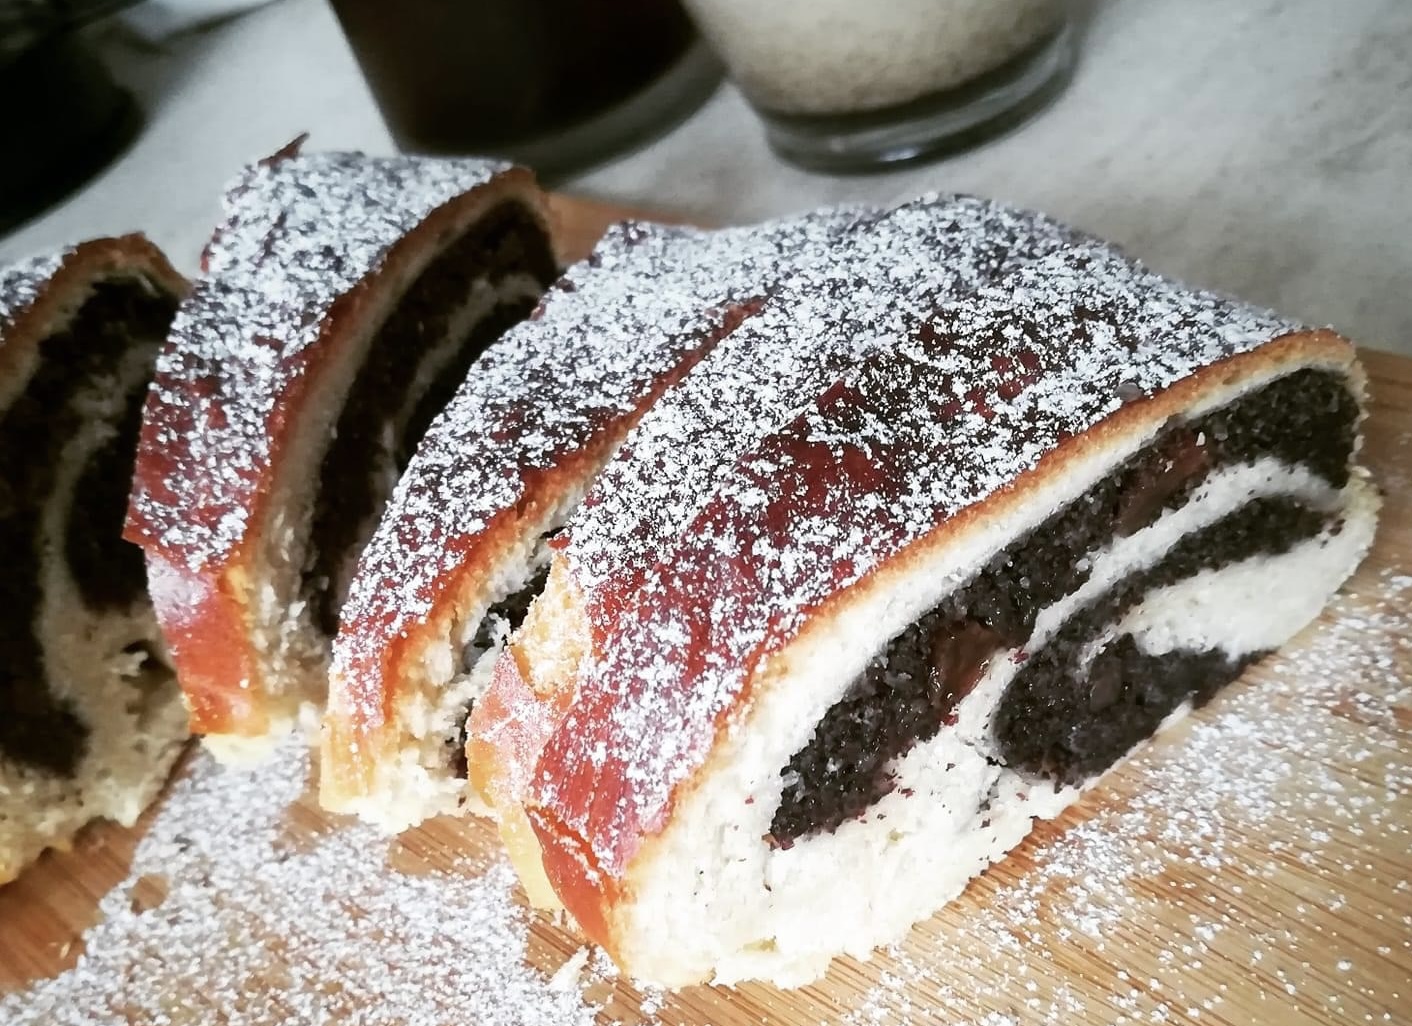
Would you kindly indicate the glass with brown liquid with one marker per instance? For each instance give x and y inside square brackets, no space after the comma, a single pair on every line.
[556,84]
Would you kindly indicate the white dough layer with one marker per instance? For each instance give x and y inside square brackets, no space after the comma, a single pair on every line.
[1247,607]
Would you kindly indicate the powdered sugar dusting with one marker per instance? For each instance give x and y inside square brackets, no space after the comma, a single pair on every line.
[300,232]
[962,404]
[820,317]
[263,923]
[22,282]
[607,337]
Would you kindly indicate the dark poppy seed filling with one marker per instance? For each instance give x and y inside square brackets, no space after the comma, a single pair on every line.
[120,317]
[910,690]
[510,612]
[507,241]
[110,572]
[1061,720]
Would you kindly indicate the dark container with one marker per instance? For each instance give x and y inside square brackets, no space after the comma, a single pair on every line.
[66,118]
[554,83]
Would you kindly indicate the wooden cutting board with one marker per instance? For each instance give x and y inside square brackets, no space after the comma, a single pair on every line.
[1254,865]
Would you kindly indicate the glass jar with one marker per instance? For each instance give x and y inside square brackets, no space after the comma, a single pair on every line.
[851,84]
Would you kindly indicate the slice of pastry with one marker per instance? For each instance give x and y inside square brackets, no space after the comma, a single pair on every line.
[90,716]
[340,305]
[466,542]
[821,317]
[941,598]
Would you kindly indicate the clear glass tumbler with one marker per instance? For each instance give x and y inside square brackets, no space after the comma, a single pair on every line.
[848,85]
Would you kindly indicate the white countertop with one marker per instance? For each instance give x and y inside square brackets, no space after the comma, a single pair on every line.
[1263,147]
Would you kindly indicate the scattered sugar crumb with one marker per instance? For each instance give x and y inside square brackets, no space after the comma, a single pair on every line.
[373,946]
[652,1001]
[567,976]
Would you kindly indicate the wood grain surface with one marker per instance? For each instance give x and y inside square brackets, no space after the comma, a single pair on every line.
[1252,865]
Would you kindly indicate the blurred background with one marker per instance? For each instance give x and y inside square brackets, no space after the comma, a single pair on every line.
[1263,148]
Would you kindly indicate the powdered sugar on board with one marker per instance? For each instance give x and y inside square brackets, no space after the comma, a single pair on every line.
[257,921]
[1250,868]
[21,283]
